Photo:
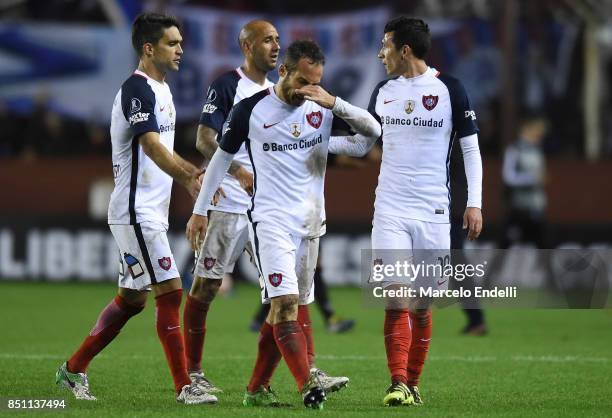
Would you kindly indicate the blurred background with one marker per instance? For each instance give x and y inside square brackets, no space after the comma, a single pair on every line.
[539,75]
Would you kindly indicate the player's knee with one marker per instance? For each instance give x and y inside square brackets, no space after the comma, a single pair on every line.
[205,290]
[285,308]
[134,298]
[421,317]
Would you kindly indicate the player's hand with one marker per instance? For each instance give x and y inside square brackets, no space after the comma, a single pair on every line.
[218,195]
[318,95]
[245,178]
[193,183]
[472,221]
[196,231]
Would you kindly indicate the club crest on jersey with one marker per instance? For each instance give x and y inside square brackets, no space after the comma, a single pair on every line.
[409,106]
[295,128]
[165,263]
[209,262]
[275,279]
[430,102]
[314,119]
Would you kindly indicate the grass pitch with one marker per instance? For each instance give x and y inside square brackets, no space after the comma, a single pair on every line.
[533,363]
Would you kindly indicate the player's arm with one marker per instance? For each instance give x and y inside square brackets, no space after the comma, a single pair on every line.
[235,134]
[464,123]
[206,143]
[219,102]
[359,120]
[353,146]
[153,148]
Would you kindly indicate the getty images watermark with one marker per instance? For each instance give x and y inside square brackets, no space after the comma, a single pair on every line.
[431,279]
[512,278]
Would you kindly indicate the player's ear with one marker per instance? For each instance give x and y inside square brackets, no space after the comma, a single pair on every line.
[282,70]
[148,49]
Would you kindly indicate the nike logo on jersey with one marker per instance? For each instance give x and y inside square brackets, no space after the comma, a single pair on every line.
[389,101]
[440,283]
[266,126]
[161,109]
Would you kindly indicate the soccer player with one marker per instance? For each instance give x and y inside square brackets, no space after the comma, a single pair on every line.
[144,165]
[227,234]
[286,131]
[421,112]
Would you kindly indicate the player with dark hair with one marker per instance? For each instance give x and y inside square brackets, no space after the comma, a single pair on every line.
[286,130]
[421,112]
[227,233]
[144,166]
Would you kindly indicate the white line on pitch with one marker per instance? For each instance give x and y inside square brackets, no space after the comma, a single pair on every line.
[469,359]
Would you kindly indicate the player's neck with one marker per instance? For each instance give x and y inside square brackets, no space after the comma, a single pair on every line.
[414,68]
[253,73]
[152,71]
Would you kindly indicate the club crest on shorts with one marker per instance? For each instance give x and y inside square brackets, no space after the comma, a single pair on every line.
[314,119]
[430,102]
[275,279]
[295,128]
[209,262]
[165,263]
[409,106]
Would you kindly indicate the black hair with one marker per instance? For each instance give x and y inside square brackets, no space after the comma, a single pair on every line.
[149,28]
[303,48]
[411,32]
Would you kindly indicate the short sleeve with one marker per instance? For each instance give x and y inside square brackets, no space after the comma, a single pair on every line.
[138,105]
[219,101]
[238,121]
[237,129]
[464,117]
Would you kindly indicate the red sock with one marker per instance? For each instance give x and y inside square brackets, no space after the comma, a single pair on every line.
[304,321]
[268,358]
[397,343]
[421,337]
[107,327]
[194,325]
[169,332]
[291,343]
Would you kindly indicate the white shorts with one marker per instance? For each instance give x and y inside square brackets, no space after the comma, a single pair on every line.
[286,262]
[226,238]
[417,242]
[145,256]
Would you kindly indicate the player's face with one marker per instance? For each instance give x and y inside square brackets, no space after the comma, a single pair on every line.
[167,52]
[306,73]
[265,48]
[390,56]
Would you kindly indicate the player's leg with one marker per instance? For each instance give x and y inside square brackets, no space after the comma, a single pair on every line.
[307,256]
[390,241]
[128,302]
[275,253]
[334,323]
[225,240]
[166,284]
[268,355]
[433,241]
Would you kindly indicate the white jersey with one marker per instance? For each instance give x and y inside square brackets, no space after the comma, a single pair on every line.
[227,90]
[142,190]
[420,118]
[287,146]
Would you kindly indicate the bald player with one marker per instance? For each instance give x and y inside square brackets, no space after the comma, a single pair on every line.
[228,234]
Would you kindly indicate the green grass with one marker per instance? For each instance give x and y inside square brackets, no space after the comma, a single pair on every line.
[533,363]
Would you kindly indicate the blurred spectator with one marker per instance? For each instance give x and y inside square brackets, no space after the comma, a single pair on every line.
[524,175]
